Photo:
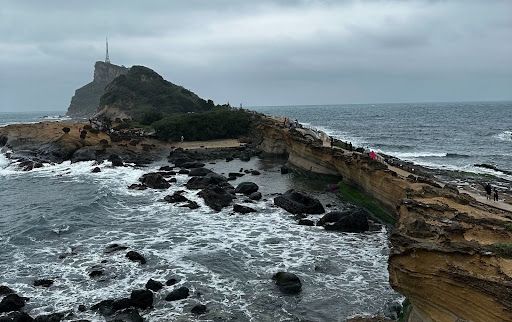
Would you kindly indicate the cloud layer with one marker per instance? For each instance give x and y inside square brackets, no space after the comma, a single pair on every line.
[262,53]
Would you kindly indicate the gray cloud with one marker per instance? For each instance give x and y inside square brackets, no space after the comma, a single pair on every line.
[263,53]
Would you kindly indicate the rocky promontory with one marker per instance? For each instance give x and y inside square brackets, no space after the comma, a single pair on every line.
[86,100]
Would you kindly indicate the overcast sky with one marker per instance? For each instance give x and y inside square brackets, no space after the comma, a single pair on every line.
[262,52]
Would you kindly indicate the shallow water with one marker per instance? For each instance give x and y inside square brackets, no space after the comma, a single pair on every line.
[226,260]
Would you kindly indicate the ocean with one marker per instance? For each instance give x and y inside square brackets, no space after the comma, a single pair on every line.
[451,136]
[56,221]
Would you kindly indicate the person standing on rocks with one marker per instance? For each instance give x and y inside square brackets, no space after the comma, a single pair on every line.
[488,190]
[495,194]
[182,139]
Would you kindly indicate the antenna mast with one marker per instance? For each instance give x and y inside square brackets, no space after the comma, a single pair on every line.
[107,59]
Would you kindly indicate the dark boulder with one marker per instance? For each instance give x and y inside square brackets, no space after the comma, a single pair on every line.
[43,282]
[284,170]
[114,248]
[199,172]
[96,272]
[245,157]
[255,172]
[82,308]
[12,302]
[353,220]
[297,202]
[96,170]
[5,290]
[116,160]
[128,315]
[287,283]
[306,222]
[135,257]
[192,164]
[216,197]
[183,171]
[229,159]
[87,153]
[235,174]
[242,209]
[137,186]
[191,204]
[121,304]
[199,309]
[166,168]
[142,299]
[255,195]
[175,197]
[208,180]
[246,188]
[153,285]
[154,180]
[54,317]
[178,294]
[16,317]
[171,281]
[66,129]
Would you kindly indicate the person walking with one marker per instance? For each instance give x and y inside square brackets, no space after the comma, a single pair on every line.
[488,190]
[495,194]
[182,139]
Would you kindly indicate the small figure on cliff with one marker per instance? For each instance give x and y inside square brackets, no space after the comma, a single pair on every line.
[488,190]
[182,139]
[332,142]
[495,194]
[373,155]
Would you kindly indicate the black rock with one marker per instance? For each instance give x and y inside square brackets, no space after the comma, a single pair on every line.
[242,209]
[5,290]
[153,285]
[297,202]
[284,170]
[245,157]
[229,159]
[353,220]
[171,281]
[192,164]
[96,273]
[114,248]
[175,197]
[12,302]
[154,180]
[122,304]
[199,309]
[128,315]
[178,294]
[166,168]
[116,160]
[216,197]
[137,186]
[199,172]
[16,317]
[287,283]
[172,180]
[43,282]
[255,195]
[208,180]
[191,204]
[104,307]
[255,172]
[135,257]
[54,317]
[82,308]
[246,188]
[142,298]
[306,222]
[183,171]
[235,174]
[96,170]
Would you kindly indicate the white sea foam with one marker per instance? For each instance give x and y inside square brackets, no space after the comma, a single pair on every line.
[414,155]
[504,136]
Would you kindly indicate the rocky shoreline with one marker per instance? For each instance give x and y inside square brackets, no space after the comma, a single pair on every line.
[438,229]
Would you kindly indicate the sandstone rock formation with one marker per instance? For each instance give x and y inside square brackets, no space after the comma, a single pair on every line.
[86,100]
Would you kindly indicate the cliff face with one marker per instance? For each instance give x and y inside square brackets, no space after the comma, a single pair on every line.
[86,100]
[451,256]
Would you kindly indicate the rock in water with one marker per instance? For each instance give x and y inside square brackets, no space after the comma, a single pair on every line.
[135,257]
[216,197]
[242,209]
[353,221]
[142,299]
[175,197]
[255,196]
[5,290]
[199,309]
[128,315]
[246,188]
[96,170]
[12,302]
[16,317]
[153,285]
[154,180]
[54,317]
[287,283]
[178,294]
[297,202]
[198,172]
[209,179]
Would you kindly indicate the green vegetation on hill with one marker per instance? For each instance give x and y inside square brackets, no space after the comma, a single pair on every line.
[219,123]
[147,97]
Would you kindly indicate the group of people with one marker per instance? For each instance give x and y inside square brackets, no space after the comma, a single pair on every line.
[291,124]
[489,192]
